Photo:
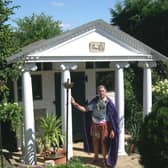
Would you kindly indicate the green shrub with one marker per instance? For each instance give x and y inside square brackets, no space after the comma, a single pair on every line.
[11,112]
[160,89]
[133,97]
[134,123]
[153,145]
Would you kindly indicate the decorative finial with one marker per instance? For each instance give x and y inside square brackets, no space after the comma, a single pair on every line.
[68,84]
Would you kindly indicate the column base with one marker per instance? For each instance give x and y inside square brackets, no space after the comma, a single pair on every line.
[122,153]
[70,151]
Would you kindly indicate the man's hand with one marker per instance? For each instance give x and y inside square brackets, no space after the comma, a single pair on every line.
[112,134]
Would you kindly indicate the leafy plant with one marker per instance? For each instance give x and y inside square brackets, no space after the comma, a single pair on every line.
[133,96]
[153,144]
[134,123]
[11,112]
[52,133]
[160,89]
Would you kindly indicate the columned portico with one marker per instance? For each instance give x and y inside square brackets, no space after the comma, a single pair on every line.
[29,127]
[119,101]
[65,75]
[96,41]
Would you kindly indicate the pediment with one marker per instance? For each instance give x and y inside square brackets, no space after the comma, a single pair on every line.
[91,43]
[94,41]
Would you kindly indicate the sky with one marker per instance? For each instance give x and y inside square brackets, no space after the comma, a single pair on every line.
[72,13]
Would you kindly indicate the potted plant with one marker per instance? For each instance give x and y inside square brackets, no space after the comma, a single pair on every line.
[52,136]
[134,124]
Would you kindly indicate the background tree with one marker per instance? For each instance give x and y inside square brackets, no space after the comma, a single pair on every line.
[145,20]
[7,46]
[36,27]
[10,113]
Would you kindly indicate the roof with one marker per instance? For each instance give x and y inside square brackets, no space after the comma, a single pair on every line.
[99,25]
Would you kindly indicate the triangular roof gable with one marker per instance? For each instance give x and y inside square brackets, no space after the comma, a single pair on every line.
[34,51]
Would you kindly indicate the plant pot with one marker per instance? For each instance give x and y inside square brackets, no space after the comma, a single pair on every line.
[59,156]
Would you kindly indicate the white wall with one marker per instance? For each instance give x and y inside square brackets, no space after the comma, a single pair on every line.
[48,92]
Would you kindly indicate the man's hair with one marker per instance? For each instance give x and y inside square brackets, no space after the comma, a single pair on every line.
[101,86]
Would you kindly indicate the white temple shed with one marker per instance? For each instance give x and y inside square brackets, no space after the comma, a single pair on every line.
[94,42]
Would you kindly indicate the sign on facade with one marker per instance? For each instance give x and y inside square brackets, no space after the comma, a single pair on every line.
[96,46]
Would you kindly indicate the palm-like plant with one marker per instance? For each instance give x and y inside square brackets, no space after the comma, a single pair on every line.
[52,133]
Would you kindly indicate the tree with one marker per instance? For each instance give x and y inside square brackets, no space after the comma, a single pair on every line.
[145,20]
[7,46]
[36,27]
[10,113]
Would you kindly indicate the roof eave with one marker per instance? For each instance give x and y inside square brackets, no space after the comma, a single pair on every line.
[89,58]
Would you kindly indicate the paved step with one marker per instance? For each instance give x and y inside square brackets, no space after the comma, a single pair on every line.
[129,161]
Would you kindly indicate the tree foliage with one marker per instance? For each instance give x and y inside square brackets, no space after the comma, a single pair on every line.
[36,27]
[7,46]
[133,96]
[160,93]
[144,19]
[153,139]
[9,112]
[153,144]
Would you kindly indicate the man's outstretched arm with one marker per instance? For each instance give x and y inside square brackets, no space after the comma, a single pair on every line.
[78,106]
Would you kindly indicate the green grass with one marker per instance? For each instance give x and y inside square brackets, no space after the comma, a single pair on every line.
[74,163]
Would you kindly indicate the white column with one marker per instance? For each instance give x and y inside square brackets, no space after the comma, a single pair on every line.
[147,86]
[65,75]
[119,100]
[29,128]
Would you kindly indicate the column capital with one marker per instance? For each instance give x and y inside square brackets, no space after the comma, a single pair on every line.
[29,67]
[150,64]
[68,66]
[119,65]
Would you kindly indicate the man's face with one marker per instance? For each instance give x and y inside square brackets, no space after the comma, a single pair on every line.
[102,92]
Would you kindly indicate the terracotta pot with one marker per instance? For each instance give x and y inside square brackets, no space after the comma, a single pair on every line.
[59,156]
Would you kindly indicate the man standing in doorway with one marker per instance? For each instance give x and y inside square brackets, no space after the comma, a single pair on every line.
[100,126]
